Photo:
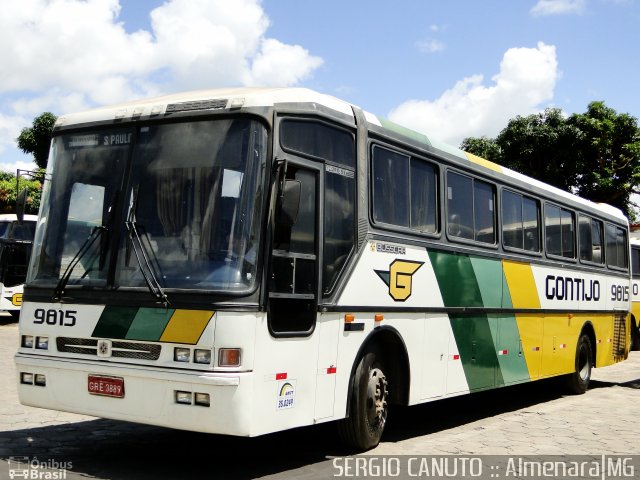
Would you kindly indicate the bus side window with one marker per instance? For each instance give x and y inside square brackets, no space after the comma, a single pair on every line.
[339,233]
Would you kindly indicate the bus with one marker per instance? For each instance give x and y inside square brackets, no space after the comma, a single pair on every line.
[245,261]
[635,293]
[16,239]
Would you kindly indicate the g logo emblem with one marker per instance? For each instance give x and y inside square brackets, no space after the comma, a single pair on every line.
[399,278]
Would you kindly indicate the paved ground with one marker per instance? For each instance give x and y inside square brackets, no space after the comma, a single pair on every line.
[533,420]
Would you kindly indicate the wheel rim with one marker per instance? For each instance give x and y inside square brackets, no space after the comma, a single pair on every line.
[584,364]
[377,399]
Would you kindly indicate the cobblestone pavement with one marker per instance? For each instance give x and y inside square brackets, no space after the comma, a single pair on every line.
[532,419]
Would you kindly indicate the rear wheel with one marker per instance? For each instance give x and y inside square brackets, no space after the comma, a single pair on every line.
[369,404]
[578,381]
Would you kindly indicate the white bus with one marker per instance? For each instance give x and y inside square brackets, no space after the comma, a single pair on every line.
[245,261]
[16,239]
[635,293]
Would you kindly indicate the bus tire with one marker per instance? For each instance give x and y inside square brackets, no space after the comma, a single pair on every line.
[578,381]
[369,406]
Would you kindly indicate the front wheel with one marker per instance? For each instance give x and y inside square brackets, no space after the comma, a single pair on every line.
[578,381]
[369,405]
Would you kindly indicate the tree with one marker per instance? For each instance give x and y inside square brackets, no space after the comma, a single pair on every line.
[610,159]
[484,147]
[36,139]
[595,154]
[8,193]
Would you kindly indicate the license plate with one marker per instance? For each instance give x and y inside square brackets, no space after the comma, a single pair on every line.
[107,386]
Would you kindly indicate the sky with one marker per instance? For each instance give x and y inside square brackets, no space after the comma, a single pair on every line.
[448,69]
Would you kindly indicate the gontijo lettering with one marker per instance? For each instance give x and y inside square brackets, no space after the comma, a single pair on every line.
[568,288]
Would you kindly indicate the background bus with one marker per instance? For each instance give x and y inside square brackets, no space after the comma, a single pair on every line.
[245,261]
[15,249]
[635,293]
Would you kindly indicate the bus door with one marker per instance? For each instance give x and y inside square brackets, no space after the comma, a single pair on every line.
[293,269]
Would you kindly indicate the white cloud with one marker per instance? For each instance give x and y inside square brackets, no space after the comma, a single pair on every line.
[557,7]
[67,55]
[430,46]
[527,78]
[280,64]
[9,130]
[193,43]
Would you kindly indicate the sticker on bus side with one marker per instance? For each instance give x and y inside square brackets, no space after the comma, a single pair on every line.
[286,394]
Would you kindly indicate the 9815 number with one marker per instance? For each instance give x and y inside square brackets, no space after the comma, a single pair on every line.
[64,318]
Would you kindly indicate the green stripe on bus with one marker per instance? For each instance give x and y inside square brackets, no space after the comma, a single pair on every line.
[488,274]
[404,131]
[149,323]
[115,322]
[513,365]
[456,279]
[477,352]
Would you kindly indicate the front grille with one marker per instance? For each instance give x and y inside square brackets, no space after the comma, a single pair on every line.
[119,349]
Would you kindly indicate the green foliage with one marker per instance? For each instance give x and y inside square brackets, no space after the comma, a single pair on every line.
[8,193]
[484,147]
[595,154]
[36,139]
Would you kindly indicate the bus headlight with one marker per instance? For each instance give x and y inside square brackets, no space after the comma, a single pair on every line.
[27,341]
[42,343]
[183,397]
[202,356]
[181,354]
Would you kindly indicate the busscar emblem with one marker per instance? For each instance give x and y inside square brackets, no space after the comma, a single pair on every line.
[104,348]
[399,278]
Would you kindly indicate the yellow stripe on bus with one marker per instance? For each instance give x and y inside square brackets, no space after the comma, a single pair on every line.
[481,161]
[186,326]
[524,294]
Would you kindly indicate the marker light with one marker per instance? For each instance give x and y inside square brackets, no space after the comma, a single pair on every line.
[42,343]
[27,341]
[40,380]
[202,399]
[183,397]
[181,354]
[26,378]
[229,357]
[202,356]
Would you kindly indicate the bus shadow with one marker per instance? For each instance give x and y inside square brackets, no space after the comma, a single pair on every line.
[433,417]
[111,449]
[634,384]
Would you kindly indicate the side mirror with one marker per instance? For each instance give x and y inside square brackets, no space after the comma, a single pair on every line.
[21,202]
[289,203]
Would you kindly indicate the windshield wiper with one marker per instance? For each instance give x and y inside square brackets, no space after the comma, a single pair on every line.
[141,256]
[86,246]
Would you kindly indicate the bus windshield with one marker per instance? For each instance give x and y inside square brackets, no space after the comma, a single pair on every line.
[191,191]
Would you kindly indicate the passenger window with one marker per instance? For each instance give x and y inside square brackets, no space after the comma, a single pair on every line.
[390,187]
[470,208]
[635,262]
[616,252]
[520,224]
[423,196]
[590,233]
[559,231]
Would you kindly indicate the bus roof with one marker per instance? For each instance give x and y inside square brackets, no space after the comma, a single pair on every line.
[246,97]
